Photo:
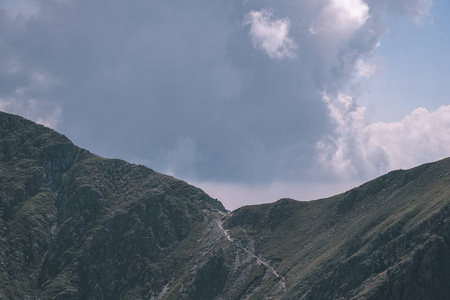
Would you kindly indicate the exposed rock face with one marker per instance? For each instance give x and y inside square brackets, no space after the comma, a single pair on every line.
[74,225]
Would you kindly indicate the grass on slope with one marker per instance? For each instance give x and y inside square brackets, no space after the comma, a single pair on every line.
[304,239]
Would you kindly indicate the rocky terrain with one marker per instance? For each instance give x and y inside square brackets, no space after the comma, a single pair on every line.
[74,225]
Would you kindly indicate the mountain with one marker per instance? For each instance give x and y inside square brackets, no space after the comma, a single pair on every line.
[74,225]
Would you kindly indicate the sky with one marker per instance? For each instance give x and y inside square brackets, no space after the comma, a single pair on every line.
[252,101]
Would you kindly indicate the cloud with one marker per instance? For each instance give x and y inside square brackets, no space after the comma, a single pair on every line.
[365,69]
[22,9]
[417,10]
[421,10]
[24,85]
[347,154]
[181,158]
[271,35]
[349,12]
[422,136]
[359,149]
[341,17]
[41,112]
[178,85]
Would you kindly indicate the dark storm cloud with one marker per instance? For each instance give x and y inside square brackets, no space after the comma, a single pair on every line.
[134,80]
[187,87]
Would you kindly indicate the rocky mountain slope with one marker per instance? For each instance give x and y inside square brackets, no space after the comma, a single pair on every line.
[74,225]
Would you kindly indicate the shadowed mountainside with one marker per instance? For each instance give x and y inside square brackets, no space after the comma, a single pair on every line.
[74,225]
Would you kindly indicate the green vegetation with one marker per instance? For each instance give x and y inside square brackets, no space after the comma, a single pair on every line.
[74,225]
[343,241]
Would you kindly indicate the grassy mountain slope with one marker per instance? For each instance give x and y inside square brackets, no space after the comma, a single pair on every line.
[77,226]
[387,239]
[74,225]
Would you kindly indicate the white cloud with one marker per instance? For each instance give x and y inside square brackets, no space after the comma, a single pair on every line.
[362,150]
[271,35]
[422,136]
[341,16]
[365,69]
[349,12]
[339,154]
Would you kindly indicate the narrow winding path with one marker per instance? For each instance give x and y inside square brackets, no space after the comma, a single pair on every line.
[259,260]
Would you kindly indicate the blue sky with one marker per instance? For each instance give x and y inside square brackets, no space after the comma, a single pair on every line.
[415,64]
[250,100]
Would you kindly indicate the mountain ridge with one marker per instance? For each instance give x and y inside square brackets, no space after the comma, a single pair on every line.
[74,225]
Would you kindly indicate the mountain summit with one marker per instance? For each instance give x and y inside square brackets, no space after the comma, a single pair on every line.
[74,225]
